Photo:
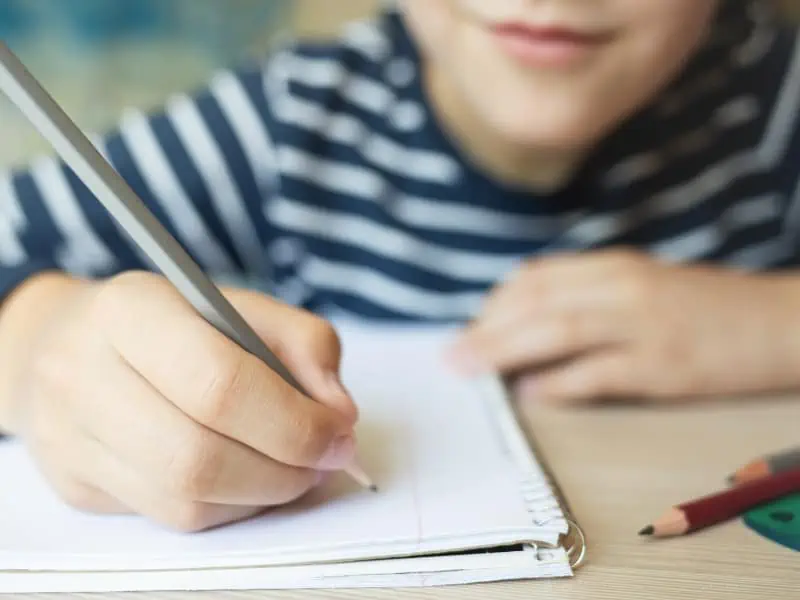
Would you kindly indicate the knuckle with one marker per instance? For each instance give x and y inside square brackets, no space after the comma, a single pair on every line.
[133,280]
[624,257]
[295,485]
[195,467]
[311,439]
[225,378]
[624,261]
[110,299]
[327,333]
[322,333]
[77,495]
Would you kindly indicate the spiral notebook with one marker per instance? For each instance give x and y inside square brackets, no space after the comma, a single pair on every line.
[464,498]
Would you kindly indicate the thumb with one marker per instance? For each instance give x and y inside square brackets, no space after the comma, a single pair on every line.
[307,344]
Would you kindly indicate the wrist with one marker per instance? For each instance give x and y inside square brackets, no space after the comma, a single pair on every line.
[22,315]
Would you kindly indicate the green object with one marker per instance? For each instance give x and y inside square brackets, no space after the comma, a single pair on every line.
[778,521]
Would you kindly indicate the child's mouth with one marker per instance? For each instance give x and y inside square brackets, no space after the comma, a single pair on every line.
[547,47]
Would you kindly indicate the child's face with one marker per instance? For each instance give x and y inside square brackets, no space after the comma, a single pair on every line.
[556,73]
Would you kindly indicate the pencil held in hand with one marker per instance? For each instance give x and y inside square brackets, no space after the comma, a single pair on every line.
[186,276]
[716,508]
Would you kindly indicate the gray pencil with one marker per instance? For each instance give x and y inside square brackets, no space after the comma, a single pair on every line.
[122,203]
[771,464]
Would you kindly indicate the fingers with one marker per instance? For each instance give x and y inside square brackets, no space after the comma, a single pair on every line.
[181,513]
[593,378]
[554,309]
[535,340]
[77,493]
[225,389]
[175,456]
[564,282]
[307,344]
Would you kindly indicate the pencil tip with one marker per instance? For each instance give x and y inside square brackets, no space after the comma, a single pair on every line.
[731,479]
[649,530]
[357,473]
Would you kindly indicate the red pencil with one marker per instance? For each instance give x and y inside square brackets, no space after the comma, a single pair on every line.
[715,508]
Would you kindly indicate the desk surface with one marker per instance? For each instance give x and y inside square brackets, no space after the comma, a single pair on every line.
[620,468]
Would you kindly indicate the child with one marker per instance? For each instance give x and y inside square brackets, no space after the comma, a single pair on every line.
[604,190]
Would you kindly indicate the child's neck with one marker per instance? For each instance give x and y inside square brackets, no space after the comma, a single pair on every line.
[535,169]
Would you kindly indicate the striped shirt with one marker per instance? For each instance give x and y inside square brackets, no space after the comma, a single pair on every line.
[322,174]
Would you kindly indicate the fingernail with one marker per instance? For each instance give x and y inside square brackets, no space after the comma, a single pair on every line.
[341,453]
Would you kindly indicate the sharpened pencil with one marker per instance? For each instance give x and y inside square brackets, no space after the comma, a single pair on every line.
[728,504]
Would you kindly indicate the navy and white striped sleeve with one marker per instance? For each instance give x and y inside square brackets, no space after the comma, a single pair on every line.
[200,163]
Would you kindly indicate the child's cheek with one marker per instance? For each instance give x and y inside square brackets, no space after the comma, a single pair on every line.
[432,23]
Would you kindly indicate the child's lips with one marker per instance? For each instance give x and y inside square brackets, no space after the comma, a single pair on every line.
[548,47]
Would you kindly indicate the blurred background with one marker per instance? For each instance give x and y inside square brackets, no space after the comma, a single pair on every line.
[99,56]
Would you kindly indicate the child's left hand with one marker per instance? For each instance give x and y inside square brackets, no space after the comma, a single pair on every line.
[622,325]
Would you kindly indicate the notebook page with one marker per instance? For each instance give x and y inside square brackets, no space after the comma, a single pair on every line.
[427,437]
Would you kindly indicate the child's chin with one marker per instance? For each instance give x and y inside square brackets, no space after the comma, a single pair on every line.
[565,134]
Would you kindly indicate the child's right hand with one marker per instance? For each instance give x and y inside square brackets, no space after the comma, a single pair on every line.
[130,402]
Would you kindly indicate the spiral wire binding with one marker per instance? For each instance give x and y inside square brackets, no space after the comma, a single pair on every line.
[574,541]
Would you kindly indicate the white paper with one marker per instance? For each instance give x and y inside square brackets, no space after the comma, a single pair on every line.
[410,572]
[449,478]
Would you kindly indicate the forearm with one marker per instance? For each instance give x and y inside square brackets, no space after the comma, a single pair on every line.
[22,314]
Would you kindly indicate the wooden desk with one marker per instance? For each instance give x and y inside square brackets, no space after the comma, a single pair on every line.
[620,468]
